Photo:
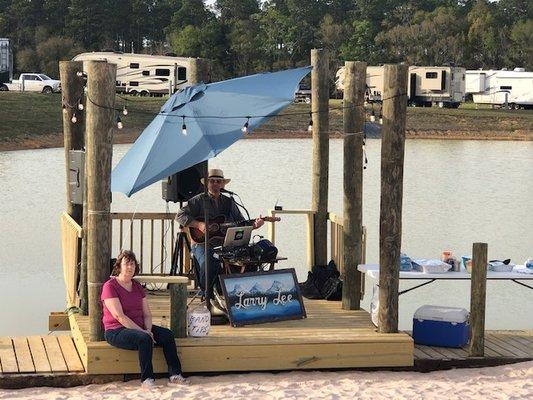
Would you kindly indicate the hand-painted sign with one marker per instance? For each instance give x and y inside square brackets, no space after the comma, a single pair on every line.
[258,297]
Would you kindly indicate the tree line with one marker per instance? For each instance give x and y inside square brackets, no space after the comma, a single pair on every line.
[246,36]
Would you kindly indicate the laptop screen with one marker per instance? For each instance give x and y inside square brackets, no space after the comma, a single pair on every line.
[238,236]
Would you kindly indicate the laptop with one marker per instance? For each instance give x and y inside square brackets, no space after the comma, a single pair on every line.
[237,236]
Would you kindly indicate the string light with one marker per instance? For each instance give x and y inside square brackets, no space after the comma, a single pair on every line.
[372,116]
[80,106]
[74,119]
[120,125]
[81,74]
[183,127]
[244,129]
[310,126]
[125,110]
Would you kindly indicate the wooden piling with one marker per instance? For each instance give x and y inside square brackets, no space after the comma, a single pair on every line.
[198,71]
[73,133]
[178,309]
[390,232]
[100,127]
[353,125]
[478,286]
[74,139]
[320,117]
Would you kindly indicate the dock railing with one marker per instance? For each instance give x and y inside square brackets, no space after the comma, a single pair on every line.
[151,236]
[71,234]
[335,237]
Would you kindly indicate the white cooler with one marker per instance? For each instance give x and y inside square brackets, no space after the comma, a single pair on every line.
[441,326]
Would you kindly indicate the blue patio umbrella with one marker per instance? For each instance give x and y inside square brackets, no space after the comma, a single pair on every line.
[213,114]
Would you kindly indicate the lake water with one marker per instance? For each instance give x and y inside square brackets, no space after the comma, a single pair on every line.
[455,193]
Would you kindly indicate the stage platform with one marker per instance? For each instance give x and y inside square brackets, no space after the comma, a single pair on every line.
[328,338]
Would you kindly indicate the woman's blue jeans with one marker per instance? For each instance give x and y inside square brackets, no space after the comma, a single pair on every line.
[132,339]
[198,251]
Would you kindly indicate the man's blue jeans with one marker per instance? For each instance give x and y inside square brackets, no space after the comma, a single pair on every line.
[132,339]
[198,251]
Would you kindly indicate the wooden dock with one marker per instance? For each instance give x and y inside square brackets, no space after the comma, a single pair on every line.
[501,347]
[328,338]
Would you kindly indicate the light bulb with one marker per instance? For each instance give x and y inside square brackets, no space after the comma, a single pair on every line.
[120,125]
[65,111]
[79,73]
[125,111]
[372,118]
[74,119]
[184,130]
[245,128]
[80,106]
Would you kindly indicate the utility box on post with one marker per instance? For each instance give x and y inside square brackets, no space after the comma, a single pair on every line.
[76,175]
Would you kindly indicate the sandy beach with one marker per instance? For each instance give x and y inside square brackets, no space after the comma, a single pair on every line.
[514,381]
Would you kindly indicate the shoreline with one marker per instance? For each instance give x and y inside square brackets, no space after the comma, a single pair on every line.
[126,137]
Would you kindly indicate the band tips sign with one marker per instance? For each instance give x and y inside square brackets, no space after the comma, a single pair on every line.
[259,297]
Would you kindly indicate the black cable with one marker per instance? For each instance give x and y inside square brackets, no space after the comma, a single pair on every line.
[244,116]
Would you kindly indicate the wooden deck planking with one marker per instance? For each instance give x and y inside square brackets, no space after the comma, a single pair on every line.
[508,345]
[22,352]
[38,352]
[70,354]
[55,356]
[7,356]
[498,345]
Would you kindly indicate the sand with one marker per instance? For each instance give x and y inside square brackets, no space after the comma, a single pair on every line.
[508,382]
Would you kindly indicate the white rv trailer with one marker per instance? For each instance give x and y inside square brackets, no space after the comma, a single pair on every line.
[500,87]
[442,86]
[6,61]
[144,74]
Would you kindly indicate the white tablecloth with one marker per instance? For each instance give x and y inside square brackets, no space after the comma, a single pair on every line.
[519,272]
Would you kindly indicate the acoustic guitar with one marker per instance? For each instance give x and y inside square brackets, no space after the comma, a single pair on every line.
[218,226]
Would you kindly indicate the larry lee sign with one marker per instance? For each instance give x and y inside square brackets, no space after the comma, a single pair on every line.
[258,297]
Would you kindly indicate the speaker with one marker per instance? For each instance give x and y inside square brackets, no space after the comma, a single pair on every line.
[184,184]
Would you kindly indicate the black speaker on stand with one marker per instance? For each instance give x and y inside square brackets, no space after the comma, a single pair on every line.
[184,184]
[180,187]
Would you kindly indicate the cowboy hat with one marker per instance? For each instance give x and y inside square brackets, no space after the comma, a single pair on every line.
[216,173]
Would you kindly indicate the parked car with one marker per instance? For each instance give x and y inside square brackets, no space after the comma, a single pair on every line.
[33,83]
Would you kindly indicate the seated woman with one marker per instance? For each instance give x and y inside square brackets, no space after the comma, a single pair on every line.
[128,321]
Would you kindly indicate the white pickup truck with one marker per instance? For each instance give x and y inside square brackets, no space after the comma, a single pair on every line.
[32,83]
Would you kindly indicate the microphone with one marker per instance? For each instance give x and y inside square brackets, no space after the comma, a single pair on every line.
[227,191]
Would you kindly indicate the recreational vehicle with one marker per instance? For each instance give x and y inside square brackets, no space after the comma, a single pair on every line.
[6,61]
[143,74]
[501,87]
[441,86]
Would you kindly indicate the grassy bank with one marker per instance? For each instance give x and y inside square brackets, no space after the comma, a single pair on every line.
[36,117]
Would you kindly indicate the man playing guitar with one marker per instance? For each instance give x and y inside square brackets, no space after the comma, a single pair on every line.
[191,216]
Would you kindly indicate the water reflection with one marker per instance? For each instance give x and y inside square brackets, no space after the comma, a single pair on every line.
[455,193]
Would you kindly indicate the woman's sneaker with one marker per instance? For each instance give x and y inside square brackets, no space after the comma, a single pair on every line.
[148,384]
[177,380]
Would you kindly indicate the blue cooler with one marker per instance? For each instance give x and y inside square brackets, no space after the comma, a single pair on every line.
[441,326]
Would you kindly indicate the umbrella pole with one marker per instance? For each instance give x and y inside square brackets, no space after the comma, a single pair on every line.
[208,287]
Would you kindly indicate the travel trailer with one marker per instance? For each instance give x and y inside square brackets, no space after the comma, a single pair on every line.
[6,61]
[144,74]
[426,86]
[500,87]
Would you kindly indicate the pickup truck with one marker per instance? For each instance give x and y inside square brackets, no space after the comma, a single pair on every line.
[32,83]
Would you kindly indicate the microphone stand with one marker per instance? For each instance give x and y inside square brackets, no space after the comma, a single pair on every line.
[207,286]
[231,194]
